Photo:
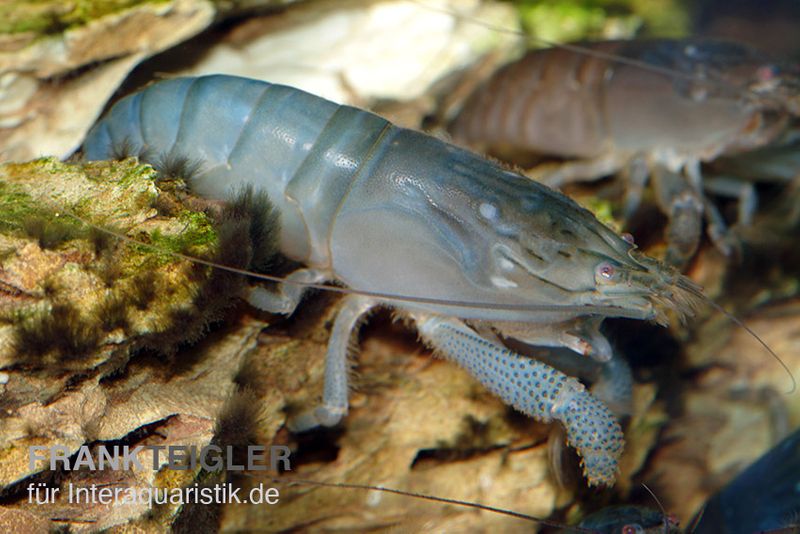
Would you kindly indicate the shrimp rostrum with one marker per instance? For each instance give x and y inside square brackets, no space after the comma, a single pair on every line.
[450,240]
[652,109]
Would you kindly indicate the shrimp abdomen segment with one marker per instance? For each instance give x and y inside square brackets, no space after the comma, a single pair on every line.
[342,150]
[301,150]
[551,103]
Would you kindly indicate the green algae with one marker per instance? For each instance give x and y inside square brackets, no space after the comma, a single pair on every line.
[45,17]
[197,237]
[15,206]
[559,21]
[83,218]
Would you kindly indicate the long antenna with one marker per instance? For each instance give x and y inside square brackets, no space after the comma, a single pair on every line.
[660,507]
[585,309]
[433,498]
[738,322]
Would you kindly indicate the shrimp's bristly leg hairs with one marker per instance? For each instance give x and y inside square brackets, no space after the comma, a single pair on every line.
[334,398]
[289,293]
[535,389]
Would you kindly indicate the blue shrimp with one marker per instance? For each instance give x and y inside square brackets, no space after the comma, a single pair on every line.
[472,248]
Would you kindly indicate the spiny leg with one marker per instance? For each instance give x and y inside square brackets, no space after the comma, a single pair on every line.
[334,398]
[587,331]
[744,192]
[717,230]
[614,386]
[589,170]
[612,380]
[535,389]
[288,295]
[635,173]
[678,200]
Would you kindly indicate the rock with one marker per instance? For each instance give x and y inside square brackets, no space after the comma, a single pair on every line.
[77,306]
[734,410]
[355,52]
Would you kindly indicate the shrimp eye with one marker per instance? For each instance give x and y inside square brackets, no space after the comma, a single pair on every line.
[605,272]
[632,529]
[628,238]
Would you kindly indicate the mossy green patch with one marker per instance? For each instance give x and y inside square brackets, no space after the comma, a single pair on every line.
[51,230]
[197,237]
[15,206]
[31,195]
[47,17]
[571,20]
[140,290]
[124,173]
[604,211]
[129,176]
[664,18]
[560,21]
[20,214]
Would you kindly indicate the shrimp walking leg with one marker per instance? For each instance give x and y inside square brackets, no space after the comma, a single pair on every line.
[614,386]
[743,192]
[580,335]
[577,171]
[678,200]
[334,398]
[636,174]
[289,293]
[717,229]
[612,380]
[587,336]
[535,389]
